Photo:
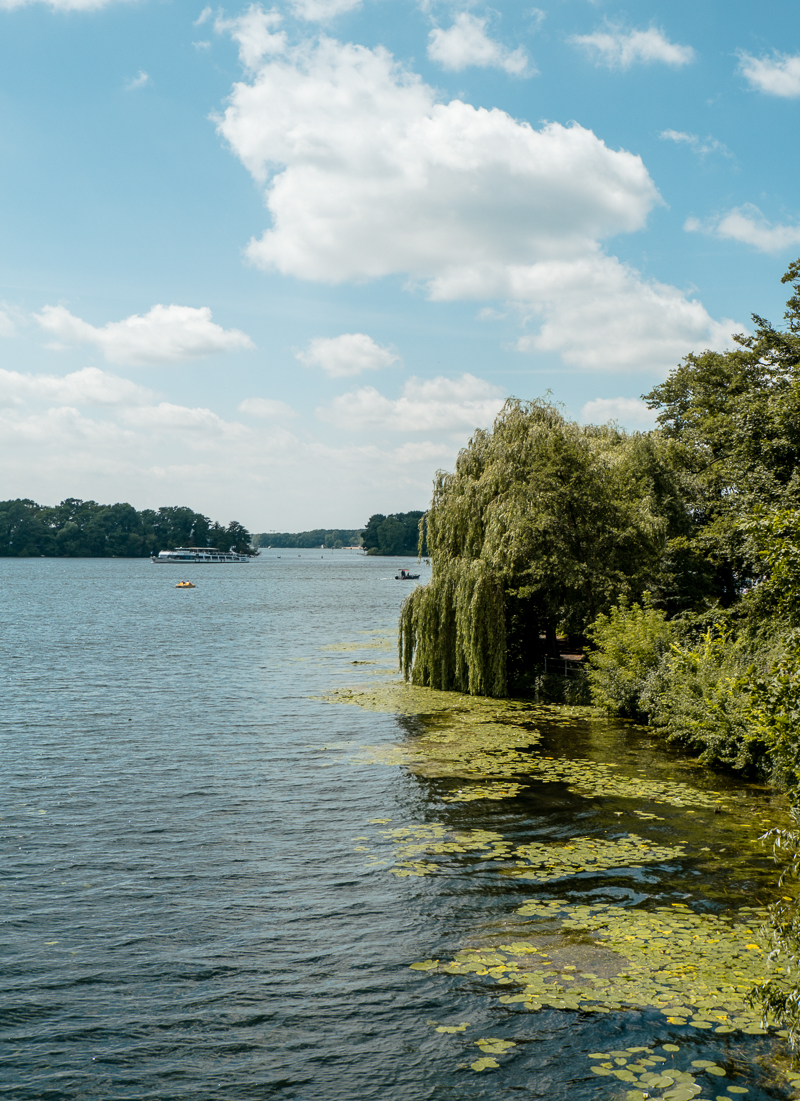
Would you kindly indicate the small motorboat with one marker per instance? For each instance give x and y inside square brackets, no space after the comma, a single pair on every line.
[185,585]
[404,575]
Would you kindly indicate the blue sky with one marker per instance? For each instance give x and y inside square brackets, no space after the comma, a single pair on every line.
[277,263]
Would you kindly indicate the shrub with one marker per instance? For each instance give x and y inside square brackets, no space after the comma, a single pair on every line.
[629,644]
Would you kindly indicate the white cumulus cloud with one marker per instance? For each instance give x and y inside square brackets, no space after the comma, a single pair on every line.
[467,43]
[595,311]
[348,354]
[778,75]
[747,224]
[254,33]
[166,334]
[366,174]
[266,408]
[620,49]
[182,418]
[631,413]
[438,405]
[91,386]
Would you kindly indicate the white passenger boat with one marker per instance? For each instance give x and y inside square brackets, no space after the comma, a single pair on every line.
[190,555]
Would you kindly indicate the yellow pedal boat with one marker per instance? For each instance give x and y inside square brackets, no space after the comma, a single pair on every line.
[185,585]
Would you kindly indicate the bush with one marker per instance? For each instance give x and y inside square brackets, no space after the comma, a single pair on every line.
[700,698]
[629,644]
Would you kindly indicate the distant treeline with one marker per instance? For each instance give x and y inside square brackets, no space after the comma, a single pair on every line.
[319,537]
[84,529]
[394,534]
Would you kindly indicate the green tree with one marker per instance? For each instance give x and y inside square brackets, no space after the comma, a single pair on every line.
[734,420]
[543,525]
[396,534]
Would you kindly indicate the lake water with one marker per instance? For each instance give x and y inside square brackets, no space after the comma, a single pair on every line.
[198,902]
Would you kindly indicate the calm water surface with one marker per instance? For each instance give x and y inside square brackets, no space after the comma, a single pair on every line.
[184,912]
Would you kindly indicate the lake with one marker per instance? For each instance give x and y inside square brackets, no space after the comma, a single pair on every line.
[240,861]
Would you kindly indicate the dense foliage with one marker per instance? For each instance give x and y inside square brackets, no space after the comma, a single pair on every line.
[397,533]
[319,537]
[78,529]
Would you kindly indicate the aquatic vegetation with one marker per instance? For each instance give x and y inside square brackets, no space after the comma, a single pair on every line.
[697,969]
[492,791]
[491,1046]
[536,861]
[483,739]
[661,1076]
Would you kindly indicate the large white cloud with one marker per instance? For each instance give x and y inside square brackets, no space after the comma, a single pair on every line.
[347,355]
[374,176]
[747,224]
[438,406]
[620,49]
[466,43]
[778,75]
[367,174]
[166,334]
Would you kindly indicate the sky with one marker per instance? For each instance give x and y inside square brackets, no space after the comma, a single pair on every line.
[277,263]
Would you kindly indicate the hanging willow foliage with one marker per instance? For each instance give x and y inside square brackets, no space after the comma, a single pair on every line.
[543,524]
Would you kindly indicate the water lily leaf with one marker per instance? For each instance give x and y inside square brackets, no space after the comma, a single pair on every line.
[484,1063]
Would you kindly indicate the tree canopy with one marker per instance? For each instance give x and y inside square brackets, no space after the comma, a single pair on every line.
[78,528]
[395,534]
[543,525]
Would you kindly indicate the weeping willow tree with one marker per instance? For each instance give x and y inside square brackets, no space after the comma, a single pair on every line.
[543,525]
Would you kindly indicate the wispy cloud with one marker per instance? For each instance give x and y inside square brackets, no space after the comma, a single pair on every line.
[777,75]
[266,408]
[620,49]
[747,224]
[138,81]
[629,412]
[57,5]
[320,11]
[701,146]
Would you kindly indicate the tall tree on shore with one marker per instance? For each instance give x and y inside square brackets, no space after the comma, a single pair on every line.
[543,525]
